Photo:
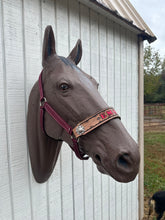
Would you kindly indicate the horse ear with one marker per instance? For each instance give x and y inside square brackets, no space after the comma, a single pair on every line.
[76,54]
[48,44]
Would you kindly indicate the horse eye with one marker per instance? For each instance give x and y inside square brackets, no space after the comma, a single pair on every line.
[64,86]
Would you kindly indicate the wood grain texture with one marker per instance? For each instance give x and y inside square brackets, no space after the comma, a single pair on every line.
[77,168]
[134,118]
[53,186]
[141,126]
[123,111]
[85,65]
[66,154]
[15,112]
[111,102]
[129,123]
[76,190]
[94,54]
[103,72]
[32,56]
[117,92]
[5,171]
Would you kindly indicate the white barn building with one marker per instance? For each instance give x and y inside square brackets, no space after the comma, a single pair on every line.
[112,35]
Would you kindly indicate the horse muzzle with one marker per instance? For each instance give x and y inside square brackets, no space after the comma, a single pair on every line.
[113,150]
[123,168]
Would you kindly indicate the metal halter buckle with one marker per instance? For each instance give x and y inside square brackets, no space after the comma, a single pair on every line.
[42,101]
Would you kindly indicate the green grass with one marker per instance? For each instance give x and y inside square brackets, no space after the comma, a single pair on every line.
[154,169]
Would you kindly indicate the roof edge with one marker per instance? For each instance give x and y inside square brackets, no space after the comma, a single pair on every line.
[143,33]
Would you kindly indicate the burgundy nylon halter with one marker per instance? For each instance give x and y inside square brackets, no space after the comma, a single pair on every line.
[44,106]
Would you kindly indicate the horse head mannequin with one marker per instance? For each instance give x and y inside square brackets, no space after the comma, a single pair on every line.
[74,96]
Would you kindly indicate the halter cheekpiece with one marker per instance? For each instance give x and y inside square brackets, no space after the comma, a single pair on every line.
[81,128]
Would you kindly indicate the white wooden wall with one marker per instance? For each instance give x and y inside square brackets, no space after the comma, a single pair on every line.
[76,190]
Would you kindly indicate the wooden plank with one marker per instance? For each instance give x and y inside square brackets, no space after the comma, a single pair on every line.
[62,27]
[78,182]
[117,103]
[6,201]
[103,91]
[135,118]
[103,57]
[32,55]
[85,65]
[123,79]
[15,97]
[66,154]
[123,112]
[117,67]
[134,88]
[85,36]
[129,81]
[54,207]
[48,12]
[94,47]
[54,193]
[129,123]
[111,102]
[141,126]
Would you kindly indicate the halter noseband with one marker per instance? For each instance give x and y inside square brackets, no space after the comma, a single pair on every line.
[81,128]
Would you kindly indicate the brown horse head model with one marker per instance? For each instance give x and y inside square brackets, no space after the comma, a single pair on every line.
[65,105]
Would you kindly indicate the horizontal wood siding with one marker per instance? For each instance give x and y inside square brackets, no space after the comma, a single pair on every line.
[76,189]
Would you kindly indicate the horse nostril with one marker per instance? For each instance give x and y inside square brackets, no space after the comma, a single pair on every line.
[98,157]
[124,161]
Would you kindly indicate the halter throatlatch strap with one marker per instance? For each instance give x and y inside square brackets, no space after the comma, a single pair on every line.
[81,128]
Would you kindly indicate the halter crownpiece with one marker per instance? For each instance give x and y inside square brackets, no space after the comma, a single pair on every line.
[82,128]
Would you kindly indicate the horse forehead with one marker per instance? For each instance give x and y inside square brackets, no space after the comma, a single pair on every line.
[69,70]
[68,63]
[83,77]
